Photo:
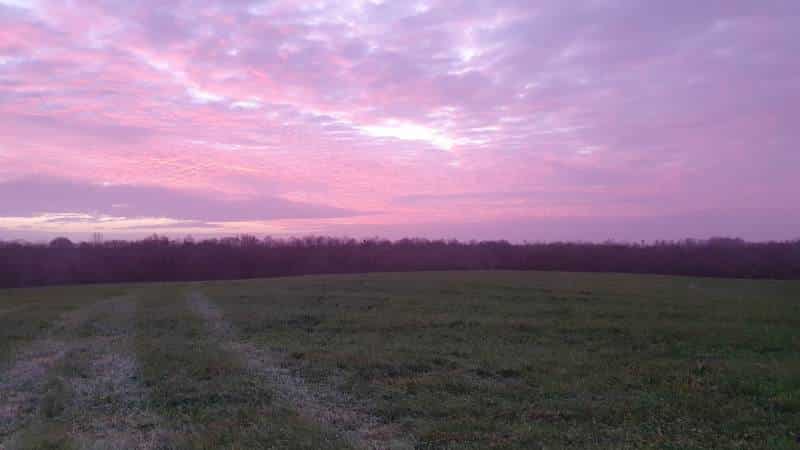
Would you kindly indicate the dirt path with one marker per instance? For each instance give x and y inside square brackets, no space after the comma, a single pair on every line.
[324,405]
[109,408]
[106,404]
[20,384]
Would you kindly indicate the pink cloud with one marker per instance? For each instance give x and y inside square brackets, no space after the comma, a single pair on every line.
[434,112]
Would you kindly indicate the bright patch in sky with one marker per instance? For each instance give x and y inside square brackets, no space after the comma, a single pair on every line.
[246,104]
[26,4]
[468,53]
[410,132]
[421,8]
[77,222]
[201,96]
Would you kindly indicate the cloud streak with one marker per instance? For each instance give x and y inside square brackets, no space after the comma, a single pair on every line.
[76,199]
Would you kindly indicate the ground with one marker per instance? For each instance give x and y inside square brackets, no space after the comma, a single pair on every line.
[460,360]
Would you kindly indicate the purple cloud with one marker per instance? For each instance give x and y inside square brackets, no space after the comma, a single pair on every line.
[60,196]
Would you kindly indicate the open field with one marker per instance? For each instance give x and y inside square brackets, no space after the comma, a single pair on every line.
[506,360]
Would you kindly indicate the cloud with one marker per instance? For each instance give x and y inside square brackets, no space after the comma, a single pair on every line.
[31,197]
[29,123]
[594,197]
[586,108]
[171,226]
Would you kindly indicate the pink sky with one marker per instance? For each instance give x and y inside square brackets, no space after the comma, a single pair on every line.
[473,119]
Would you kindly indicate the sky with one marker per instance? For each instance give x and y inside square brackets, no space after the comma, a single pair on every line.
[472,119]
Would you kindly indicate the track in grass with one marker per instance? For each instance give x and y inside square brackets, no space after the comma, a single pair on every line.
[22,383]
[206,394]
[320,404]
[79,391]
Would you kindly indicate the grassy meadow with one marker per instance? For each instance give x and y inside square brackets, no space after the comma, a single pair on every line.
[436,360]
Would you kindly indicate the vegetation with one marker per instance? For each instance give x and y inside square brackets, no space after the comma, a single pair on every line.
[160,259]
[206,393]
[432,360]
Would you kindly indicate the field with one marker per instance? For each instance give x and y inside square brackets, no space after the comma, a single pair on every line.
[450,360]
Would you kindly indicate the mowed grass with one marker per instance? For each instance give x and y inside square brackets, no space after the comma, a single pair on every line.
[30,314]
[544,360]
[507,360]
[204,392]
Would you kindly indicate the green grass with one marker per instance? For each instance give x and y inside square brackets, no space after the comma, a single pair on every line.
[204,392]
[545,360]
[30,314]
[507,360]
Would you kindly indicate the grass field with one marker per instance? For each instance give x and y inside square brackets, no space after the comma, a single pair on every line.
[505,360]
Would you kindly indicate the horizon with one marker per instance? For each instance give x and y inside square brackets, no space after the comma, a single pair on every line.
[451,119]
[100,239]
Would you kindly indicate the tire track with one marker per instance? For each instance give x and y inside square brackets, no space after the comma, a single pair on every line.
[21,384]
[110,403]
[323,405]
[106,406]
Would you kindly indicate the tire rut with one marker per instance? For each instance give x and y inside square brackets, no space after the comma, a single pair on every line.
[110,405]
[106,409]
[321,404]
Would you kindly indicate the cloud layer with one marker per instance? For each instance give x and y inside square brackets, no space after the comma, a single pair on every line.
[462,113]
[43,197]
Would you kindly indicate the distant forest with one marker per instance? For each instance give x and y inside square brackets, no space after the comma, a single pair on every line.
[158,258]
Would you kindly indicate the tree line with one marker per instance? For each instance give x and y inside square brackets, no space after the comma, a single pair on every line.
[159,258]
